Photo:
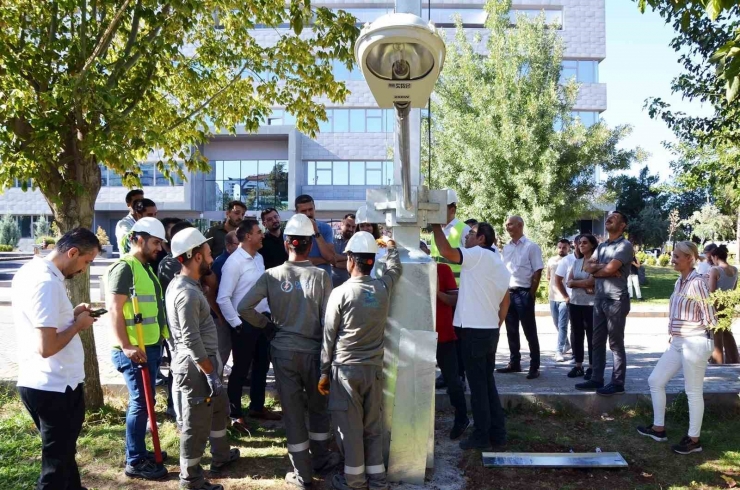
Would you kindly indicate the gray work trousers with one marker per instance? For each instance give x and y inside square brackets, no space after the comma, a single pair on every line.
[202,420]
[610,318]
[356,407]
[297,377]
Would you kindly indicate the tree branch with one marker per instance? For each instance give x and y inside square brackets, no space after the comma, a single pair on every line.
[83,28]
[129,42]
[103,44]
[210,99]
[140,92]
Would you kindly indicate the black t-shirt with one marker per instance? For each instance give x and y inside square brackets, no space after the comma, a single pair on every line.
[633,269]
[218,243]
[273,250]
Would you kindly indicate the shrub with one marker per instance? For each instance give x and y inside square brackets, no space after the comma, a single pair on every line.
[641,256]
[664,260]
[102,236]
[55,231]
[48,240]
[6,248]
[652,261]
[10,232]
[42,227]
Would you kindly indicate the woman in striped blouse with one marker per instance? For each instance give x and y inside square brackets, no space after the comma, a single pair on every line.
[690,316]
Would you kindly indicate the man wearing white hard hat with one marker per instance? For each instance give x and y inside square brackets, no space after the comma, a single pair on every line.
[352,362]
[297,293]
[364,224]
[134,270]
[197,366]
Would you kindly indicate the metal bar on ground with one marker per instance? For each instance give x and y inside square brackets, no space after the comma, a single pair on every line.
[553,460]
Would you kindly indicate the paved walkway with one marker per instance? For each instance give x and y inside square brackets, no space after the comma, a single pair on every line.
[645,339]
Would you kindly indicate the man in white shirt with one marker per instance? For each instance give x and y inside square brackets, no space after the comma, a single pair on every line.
[240,272]
[50,359]
[523,259]
[482,305]
[559,297]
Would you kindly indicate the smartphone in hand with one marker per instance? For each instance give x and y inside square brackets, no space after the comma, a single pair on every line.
[98,313]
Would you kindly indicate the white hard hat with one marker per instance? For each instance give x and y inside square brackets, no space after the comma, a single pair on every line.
[361,215]
[451,197]
[362,242]
[299,225]
[186,240]
[150,226]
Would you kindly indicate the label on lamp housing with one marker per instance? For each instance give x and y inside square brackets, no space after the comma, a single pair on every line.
[400,85]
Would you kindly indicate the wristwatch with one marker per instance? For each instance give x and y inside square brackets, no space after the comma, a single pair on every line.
[318,234]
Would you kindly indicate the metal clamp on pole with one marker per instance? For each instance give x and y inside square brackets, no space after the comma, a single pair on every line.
[146,379]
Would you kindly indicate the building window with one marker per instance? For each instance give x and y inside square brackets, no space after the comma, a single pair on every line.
[257,183]
[149,175]
[349,173]
[587,118]
[553,18]
[358,121]
[446,17]
[584,71]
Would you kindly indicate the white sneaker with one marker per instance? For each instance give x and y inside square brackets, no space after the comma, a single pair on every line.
[559,357]
[567,347]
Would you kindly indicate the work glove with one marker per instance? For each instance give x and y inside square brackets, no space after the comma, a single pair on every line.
[324,385]
[214,383]
[270,331]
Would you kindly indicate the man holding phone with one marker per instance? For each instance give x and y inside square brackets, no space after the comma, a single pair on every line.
[51,360]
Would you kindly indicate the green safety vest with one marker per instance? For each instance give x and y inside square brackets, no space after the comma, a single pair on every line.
[455,239]
[148,305]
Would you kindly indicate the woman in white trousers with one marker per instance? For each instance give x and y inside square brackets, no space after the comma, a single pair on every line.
[690,318]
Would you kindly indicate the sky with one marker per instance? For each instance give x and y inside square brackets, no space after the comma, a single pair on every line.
[640,64]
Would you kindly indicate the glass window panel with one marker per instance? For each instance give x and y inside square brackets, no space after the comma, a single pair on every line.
[374,165]
[114,180]
[280,184]
[390,120]
[218,168]
[325,126]
[374,121]
[289,119]
[340,173]
[161,181]
[588,118]
[146,174]
[587,72]
[103,175]
[570,70]
[446,16]
[374,177]
[323,165]
[387,173]
[25,224]
[554,17]
[215,196]
[323,177]
[232,170]
[364,15]
[311,173]
[341,121]
[356,173]
[357,120]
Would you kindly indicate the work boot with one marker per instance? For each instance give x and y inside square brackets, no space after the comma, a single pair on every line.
[145,469]
[265,414]
[339,482]
[233,456]
[510,368]
[439,383]
[475,442]
[293,480]
[206,486]
[459,428]
[240,426]
[332,460]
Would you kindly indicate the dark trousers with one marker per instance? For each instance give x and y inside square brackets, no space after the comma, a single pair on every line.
[521,310]
[58,417]
[458,348]
[610,318]
[249,345]
[479,348]
[447,362]
[581,322]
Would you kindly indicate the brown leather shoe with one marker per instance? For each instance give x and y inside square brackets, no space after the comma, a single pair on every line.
[265,414]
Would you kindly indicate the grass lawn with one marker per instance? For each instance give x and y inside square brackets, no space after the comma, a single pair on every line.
[660,283]
[531,428]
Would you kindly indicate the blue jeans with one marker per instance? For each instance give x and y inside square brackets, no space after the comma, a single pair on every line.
[559,312]
[136,415]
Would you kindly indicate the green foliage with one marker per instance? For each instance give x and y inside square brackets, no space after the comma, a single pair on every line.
[110,81]
[651,260]
[709,224]
[650,228]
[664,260]
[6,248]
[727,304]
[55,231]
[685,13]
[494,134]
[641,256]
[10,232]
[42,227]
[102,236]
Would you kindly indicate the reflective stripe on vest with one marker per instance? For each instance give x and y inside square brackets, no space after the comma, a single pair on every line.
[455,239]
[148,305]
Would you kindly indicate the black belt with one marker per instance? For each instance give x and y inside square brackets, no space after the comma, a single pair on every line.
[518,289]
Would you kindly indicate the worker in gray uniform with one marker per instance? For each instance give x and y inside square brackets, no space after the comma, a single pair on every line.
[297,293]
[197,366]
[352,362]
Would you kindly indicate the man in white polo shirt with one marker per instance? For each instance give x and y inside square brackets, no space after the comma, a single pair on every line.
[482,305]
[50,357]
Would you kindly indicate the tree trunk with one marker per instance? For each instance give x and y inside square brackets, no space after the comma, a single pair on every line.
[72,200]
[737,238]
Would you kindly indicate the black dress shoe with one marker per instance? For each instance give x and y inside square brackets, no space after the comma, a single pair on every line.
[459,428]
[510,368]
[533,373]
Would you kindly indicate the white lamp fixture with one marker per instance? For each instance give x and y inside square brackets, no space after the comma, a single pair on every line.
[401,57]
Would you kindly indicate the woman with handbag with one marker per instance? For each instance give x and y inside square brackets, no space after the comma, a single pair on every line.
[581,305]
